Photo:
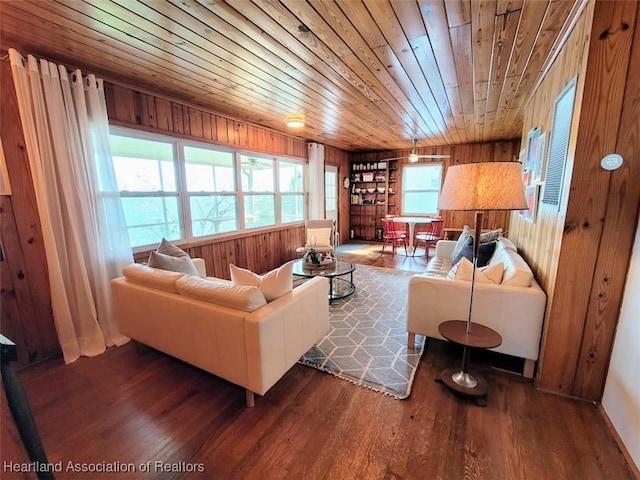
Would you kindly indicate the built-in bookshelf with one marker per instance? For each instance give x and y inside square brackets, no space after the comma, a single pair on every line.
[373,196]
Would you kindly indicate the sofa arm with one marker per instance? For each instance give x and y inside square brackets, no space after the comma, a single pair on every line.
[516,313]
[279,333]
[444,248]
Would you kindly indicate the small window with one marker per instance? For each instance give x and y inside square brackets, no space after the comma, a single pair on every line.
[421,188]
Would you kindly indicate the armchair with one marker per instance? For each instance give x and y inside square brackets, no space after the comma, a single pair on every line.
[320,234]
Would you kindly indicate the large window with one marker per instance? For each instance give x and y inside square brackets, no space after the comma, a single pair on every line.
[186,190]
[421,188]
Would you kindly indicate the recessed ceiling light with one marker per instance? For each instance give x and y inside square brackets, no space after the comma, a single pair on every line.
[295,120]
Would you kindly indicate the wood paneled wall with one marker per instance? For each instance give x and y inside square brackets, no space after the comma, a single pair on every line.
[507,150]
[260,251]
[580,252]
[25,299]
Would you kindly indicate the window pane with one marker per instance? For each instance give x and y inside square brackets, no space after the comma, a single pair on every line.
[143,165]
[422,177]
[292,208]
[257,174]
[291,177]
[213,214]
[420,202]
[209,170]
[149,219]
[421,188]
[259,210]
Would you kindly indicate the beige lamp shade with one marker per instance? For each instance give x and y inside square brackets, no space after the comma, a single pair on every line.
[483,186]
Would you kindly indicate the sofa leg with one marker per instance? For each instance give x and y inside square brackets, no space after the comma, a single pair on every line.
[529,366]
[250,398]
[411,341]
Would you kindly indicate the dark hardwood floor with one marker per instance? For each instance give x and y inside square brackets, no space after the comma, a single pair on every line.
[133,405]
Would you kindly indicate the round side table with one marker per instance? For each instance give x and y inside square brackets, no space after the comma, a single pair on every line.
[479,336]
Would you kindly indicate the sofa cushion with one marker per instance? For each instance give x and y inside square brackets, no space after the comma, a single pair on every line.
[273,284]
[169,257]
[152,277]
[227,294]
[463,270]
[485,252]
[438,266]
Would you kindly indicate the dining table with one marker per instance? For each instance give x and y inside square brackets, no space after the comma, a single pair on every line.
[411,222]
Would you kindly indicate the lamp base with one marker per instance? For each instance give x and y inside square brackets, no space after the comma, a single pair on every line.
[465,380]
[480,388]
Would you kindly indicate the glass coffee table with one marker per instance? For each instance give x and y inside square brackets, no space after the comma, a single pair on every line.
[339,285]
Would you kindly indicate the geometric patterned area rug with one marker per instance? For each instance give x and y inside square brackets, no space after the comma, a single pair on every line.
[367,339]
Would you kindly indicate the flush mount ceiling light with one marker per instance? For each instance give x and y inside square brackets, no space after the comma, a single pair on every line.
[295,120]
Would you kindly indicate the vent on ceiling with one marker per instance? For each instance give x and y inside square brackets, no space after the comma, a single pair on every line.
[559,144]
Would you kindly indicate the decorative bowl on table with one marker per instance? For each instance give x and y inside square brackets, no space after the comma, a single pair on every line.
[371,190]
[317,260]
[381,189]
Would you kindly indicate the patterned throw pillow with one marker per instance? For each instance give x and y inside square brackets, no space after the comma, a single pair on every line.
[467,232]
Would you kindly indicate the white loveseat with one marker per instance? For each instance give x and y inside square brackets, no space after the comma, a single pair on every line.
[228,330]
[514,307]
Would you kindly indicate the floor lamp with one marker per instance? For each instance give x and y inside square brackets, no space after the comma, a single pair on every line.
[480,186]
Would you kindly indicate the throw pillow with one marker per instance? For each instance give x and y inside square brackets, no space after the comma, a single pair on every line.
[173,264]
[490,236]
[484,252]
[168,248]
[169,257]
[323,236]
[273,284]
[462,239]
[463,270]
[467,231]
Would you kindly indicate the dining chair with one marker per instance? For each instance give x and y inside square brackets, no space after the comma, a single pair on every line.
[429,236]
[393,234]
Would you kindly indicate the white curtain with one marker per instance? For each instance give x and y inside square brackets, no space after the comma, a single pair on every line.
[316,181]
[65,124]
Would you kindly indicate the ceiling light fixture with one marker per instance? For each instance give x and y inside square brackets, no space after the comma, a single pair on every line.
[295,120]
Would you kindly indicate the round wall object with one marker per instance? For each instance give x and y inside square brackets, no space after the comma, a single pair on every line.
[611,161]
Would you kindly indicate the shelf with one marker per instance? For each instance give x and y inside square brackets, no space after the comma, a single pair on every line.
[365,218]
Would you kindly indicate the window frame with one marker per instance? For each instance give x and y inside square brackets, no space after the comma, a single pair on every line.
[184,195]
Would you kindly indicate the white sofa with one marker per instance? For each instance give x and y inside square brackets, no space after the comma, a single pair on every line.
[514,307]
[228,330]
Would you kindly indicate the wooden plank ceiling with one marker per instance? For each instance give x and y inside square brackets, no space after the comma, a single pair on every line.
[368,75]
